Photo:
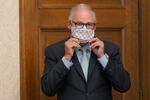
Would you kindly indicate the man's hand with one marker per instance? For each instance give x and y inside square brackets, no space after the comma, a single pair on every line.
[69,47]
[97,46]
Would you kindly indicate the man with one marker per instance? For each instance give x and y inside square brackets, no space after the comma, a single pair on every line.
[83,67]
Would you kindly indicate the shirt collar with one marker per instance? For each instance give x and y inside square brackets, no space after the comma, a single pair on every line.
[87,46]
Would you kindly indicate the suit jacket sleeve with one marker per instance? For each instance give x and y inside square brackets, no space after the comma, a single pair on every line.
[54,73]
[115,72]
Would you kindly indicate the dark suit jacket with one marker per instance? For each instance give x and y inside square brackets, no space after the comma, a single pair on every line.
[71,84]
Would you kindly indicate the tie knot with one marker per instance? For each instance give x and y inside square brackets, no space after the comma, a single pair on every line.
[84,50]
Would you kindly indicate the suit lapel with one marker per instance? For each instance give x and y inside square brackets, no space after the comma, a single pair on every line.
[93,60]
[92,63]
[77,65]
[75,61]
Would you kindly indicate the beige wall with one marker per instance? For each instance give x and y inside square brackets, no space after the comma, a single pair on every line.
[9,50]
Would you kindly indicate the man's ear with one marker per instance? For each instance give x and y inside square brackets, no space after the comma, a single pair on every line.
[68,24]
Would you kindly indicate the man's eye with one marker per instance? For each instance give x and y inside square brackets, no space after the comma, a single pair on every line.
[90,23]
[78,23]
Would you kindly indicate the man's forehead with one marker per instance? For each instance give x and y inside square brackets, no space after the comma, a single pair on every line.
[83,15]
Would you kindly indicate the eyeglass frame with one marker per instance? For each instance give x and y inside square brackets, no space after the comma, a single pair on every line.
[83,24]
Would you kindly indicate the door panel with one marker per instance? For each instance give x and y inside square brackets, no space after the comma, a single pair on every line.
[43,22]
[70,3]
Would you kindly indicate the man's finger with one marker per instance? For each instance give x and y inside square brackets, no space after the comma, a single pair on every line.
[75,40]
[95,44]
[74,44]
[93,40]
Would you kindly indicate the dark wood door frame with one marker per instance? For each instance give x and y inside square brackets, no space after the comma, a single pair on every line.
[144,48]
[28,51]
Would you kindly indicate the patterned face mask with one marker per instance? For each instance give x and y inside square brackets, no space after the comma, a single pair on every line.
[84,35]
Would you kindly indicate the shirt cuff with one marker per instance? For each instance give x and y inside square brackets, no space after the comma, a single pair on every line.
[67,63]
[103,60]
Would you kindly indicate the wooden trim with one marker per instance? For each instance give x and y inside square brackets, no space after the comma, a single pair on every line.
[23,87]
[68,6]
[28,50]
[144,31]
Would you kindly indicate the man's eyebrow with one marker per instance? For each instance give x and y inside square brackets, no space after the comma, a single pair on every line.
[83,22]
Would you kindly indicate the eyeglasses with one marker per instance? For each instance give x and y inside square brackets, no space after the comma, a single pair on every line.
[81,25]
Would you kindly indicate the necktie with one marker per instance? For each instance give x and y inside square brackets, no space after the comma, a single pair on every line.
[84,62]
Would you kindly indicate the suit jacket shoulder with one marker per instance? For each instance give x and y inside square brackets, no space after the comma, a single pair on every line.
[110,48]
[55,50]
